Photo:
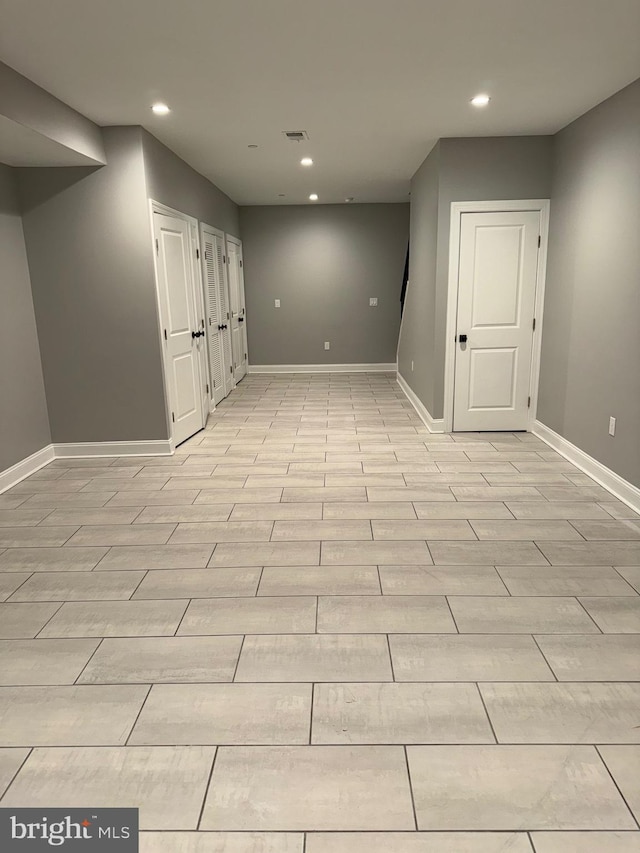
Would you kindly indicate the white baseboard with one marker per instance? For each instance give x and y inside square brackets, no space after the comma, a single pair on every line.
[26,467]
[84,450]
[612,482]
[432,424]
[89,449]
[322,368]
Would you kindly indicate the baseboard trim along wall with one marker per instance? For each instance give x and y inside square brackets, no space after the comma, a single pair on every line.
[26,467]
[322,368]
[432,424]
[612,482]
[85,450]
[89,449]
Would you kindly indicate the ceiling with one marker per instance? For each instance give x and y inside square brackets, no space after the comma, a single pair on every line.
[374,82]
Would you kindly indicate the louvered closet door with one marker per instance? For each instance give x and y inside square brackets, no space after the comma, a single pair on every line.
[216,316]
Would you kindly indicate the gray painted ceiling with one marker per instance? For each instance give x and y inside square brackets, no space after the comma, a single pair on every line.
[373,82]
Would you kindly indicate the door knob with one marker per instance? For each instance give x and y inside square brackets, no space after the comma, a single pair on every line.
[220,328]
[240,319]
[197,334]
[462,339]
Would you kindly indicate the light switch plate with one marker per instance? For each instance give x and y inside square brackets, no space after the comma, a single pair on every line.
[373,302]
[277,303]
[327,345]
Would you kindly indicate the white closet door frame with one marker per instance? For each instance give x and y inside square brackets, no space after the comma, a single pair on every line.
[227,368]
[229,238]
[158,207]
[457,209]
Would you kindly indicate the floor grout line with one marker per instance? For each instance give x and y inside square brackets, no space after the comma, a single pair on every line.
[316,431]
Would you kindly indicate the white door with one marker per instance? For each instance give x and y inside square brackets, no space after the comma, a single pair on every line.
[238,314]
[201,341]
[181,324]
[494,338]
[218,321]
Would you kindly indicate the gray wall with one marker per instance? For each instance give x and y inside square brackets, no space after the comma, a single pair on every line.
[88,239]
[24,424]
[172,182]
[323,262]
[417,337]
[591,337]
[480,169]
[28,105]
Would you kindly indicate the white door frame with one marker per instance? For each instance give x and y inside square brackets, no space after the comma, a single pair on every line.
[158,207]
[225,284]
[231,238]
[457,209]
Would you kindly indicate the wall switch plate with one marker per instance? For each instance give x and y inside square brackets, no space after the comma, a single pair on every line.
[327,345]
[277,303]
[412,367]
[612,426]
[373,302]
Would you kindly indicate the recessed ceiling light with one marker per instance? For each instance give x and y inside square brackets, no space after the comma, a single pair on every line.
[480,100]
[313,197]
[160,109]
[306,161]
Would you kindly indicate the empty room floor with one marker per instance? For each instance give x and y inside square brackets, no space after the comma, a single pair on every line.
[319,627]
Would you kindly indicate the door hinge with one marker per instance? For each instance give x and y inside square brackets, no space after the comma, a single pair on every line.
[240,263]
[157,247]
[198,254]
[207,387]
[165,334]
[224,259]
[539,240]
[534,324]
[529,403]
[173,417]
[231,370]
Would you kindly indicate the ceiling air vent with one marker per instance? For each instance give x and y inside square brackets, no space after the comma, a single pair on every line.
[296,135]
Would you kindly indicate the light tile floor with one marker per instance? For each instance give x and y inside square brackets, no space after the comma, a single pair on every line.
[319,627]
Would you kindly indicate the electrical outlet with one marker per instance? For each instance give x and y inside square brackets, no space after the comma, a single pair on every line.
[327,345]
[412,367]
[612,426]
[373,302]
[277,303]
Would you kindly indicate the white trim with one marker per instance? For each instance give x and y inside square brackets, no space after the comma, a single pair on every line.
[165,210]
[322,368]
[89,449]
[83,450]
[432,424]
[612,482]
[457,209]
[158,207]
[26,467]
